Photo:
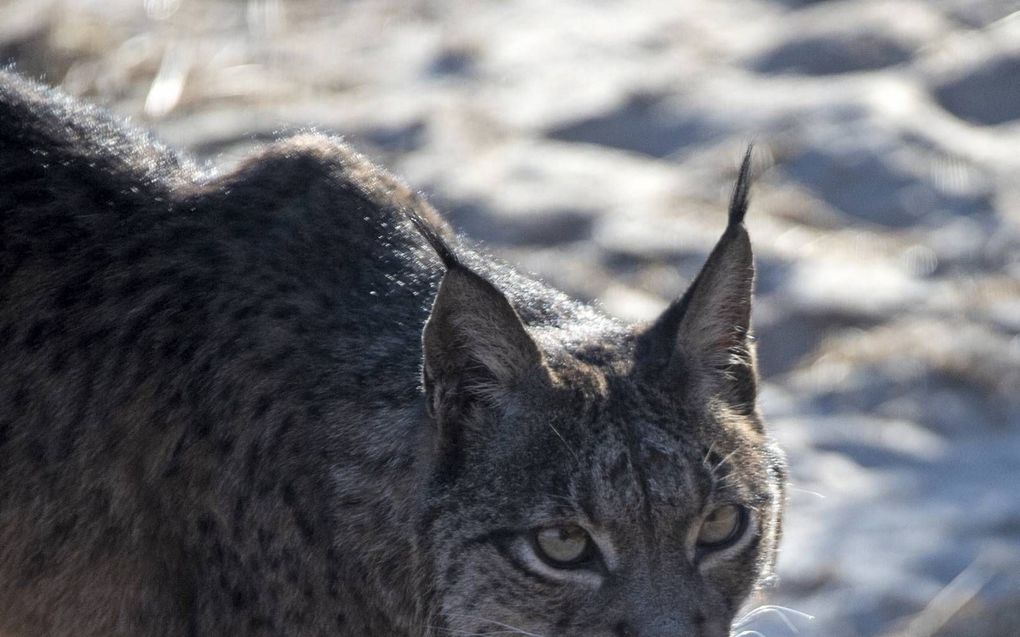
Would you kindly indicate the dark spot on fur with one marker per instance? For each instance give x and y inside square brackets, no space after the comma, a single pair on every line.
[205,525]
[251,463]
[239,600]
[74,292]
[35,567]
[93,339]
[173,466]
[176,399]
[20,398]
[237,518]
[98,503]
[64,530]
[7,333]
[286,311]
[244,312]
[58,361]
[224,446]
[36,452]
[289,496]
[262,405]
[37,335]
[134,286]
[202,426]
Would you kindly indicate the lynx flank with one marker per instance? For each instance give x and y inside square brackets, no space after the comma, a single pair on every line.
[287,400]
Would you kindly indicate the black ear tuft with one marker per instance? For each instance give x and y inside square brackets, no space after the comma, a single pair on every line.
[435,239]
[738,204]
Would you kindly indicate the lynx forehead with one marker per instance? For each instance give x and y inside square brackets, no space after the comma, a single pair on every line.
[288,400]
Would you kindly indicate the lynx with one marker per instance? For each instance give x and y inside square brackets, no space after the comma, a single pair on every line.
[288,400]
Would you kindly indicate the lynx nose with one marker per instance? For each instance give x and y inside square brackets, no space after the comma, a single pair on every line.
[658,607]
[668,625]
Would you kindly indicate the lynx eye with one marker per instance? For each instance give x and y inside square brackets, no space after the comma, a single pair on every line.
[722,527]
[563,546]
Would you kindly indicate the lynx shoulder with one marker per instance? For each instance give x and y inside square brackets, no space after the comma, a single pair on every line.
[286,399]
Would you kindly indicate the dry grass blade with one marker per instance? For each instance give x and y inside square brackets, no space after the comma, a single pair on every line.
[962,589]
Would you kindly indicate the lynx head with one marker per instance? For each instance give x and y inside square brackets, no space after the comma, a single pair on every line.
[601,482]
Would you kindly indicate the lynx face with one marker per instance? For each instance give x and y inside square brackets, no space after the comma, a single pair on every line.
[600,517]
[622,485]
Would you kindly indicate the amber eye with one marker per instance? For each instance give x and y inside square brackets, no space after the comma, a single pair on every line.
[563,546]
[722,527]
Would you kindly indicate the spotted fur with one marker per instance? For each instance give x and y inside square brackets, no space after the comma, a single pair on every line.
[219,415]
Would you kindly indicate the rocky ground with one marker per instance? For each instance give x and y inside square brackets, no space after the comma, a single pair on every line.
[595,143]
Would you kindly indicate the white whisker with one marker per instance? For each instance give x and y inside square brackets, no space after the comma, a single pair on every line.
[559,498]
[510,629]
[724,461]
[708,454]
[807,491]
[565,443]
[775,609]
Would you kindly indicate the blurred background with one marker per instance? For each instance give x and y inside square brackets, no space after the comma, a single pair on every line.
[595,144]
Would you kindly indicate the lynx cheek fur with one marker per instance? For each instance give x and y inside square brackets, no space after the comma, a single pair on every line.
[286,401]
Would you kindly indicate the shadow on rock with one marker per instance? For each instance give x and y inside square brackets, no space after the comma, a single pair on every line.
[643,124]
[988,94]
[829,55]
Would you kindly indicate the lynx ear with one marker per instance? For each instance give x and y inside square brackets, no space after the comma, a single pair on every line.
[474,345]
[704,338]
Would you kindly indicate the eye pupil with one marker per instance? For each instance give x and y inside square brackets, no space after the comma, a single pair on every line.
[562,545]
[722,527]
